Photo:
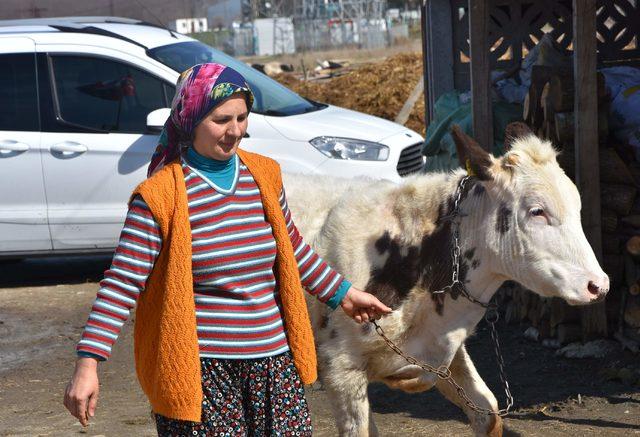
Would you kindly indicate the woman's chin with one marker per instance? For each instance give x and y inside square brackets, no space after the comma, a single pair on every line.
[222,153]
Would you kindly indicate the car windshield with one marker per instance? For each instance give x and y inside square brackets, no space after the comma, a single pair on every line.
[271,98]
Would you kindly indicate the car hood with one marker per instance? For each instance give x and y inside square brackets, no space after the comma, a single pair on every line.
[338,122]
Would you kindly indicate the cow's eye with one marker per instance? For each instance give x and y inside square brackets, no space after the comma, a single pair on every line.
[537,212]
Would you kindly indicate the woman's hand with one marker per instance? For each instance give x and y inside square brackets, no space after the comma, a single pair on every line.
[362,306]
[81,394]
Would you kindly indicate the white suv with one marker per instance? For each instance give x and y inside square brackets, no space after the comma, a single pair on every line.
[82,100]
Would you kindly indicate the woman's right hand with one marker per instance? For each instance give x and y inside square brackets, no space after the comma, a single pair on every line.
[81,394]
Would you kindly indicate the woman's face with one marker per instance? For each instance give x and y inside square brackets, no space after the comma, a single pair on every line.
[218,134]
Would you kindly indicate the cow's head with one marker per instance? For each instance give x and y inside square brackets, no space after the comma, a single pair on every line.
[532,220]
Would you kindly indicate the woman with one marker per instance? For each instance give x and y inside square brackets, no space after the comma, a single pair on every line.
[210,256]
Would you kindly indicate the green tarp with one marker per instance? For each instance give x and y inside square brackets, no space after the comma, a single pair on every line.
[439,146]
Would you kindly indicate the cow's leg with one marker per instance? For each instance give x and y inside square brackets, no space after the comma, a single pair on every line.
[347,389]
[464,373]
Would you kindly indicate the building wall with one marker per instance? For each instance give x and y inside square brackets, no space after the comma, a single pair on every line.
[274,36]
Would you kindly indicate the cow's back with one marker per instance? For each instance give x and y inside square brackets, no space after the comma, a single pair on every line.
[311,197]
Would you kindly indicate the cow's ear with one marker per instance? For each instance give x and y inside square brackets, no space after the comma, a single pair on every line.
[513,131]
[471,155]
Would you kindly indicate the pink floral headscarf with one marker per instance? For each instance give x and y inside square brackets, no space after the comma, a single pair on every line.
[199,89]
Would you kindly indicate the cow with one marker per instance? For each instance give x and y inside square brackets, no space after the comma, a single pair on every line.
[519,219]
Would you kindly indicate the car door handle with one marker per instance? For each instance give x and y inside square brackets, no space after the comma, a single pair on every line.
[8,146]
[68,148]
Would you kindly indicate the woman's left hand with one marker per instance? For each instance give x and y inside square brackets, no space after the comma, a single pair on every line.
[362,306]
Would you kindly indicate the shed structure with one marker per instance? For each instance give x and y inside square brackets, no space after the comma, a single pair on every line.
[463,40]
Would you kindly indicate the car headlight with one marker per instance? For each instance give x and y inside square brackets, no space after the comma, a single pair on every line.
[349,148]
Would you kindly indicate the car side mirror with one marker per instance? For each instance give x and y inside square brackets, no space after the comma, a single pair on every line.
[156,120]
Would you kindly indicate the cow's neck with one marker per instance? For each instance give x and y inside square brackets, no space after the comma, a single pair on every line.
[477,258]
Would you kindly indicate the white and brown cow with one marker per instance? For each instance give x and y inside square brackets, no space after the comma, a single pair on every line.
[521,221]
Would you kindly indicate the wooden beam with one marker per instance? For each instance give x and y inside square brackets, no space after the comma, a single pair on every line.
[408,105]
[480,77]
[594,319]
[437,51]
[424,32]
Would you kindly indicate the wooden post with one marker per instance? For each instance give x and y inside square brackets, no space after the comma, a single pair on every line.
[428,111]
[594,318]
[480,78]
[437,49]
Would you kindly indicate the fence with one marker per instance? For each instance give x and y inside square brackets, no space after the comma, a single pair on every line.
[313,35]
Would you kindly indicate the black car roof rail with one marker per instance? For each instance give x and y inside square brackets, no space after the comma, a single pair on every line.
[96,31]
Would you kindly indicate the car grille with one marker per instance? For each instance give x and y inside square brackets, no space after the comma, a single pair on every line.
[411,160]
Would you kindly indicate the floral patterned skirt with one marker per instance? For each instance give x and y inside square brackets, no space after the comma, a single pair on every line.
[259,397]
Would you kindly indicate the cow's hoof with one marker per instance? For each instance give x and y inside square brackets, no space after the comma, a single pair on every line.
[495,427]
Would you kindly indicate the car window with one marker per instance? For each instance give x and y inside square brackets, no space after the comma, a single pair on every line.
[18,92]
[271,98]
[102,94]
[169,92]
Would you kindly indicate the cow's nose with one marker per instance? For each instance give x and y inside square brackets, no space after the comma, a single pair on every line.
[599,287]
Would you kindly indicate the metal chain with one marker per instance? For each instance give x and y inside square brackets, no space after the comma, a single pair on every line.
[443,372]
[455,254]
[500,360]
[491,317]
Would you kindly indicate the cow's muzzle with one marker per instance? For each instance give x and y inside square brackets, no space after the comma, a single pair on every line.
[598,289]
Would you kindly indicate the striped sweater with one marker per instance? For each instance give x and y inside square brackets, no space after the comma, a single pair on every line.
[236,299]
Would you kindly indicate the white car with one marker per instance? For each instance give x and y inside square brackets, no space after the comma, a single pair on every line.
[82,100]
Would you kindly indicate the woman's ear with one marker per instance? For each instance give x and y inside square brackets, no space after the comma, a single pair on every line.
[471,155]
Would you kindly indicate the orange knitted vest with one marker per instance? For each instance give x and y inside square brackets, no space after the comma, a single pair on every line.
[165,337]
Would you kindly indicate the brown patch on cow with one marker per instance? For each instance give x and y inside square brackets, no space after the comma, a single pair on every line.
[383,243]
[503,219]
[324,321]
[478,190]
[495,426]
[438,300]
[428,265]
[392,282]
[436,258]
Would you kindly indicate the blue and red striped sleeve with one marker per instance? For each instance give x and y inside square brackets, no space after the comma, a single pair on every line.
[137,250]
[317,277]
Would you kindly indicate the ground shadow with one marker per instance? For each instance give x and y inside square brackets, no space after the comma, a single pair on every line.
[59,270]
[536,376]
[598,423]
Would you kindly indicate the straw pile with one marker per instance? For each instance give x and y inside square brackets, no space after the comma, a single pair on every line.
[378,89]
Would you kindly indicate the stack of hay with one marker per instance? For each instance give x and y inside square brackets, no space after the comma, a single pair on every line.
[378,89]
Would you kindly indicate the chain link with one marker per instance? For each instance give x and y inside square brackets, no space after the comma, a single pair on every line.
[443,372]
[491,317]
[455,254]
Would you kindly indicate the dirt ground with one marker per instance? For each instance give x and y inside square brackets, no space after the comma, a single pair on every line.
[44,304]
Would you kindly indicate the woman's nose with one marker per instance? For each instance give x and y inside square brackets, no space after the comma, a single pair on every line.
[234,129]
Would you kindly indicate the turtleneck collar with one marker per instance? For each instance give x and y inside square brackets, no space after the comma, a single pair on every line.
[221,175]
[204,163]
